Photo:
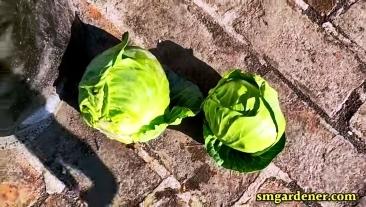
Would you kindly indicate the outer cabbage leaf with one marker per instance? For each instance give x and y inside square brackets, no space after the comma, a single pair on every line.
[185,101]
[125,94]
[243,117]
[230,158]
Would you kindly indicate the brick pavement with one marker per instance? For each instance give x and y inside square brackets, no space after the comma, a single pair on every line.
[312,53]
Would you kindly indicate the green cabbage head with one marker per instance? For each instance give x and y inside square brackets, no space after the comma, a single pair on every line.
[126,94]
[244,126]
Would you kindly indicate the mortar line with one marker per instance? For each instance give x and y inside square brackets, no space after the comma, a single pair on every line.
[42,199]
[353,47]
[273,171]
[233,202]
[293,186]
[160,183]
[362,192]
[149,160]
[341,8]
[344,114]
[344,40]
[361,147]
[224,25]
[147,194]
[353,139]
[210,15]
[316,18]
[350,107]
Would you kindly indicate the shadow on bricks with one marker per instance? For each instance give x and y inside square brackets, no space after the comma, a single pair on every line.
[182,61]
[58,149]
[87,41]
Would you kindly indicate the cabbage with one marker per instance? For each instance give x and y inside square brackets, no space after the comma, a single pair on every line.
[244,126]
[125,94]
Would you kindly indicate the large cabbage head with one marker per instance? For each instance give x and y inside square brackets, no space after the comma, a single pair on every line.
[125,94]
[243,122]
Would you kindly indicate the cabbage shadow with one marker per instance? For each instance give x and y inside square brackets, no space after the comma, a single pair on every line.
[182,61]
[86,42]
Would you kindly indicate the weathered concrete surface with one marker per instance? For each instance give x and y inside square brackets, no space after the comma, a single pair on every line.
[353,23]
[189,163]
[315,156]
[301,52]
[20,183]
[358,122]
